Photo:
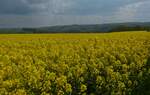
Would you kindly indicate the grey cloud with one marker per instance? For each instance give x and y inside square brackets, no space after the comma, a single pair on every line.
[92,7]
[37,21]
[9,6]
[71,7]
[32,13]
[36,1]
[134,12]
[22,6]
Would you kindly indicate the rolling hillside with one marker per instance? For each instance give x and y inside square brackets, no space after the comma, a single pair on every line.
[94,28]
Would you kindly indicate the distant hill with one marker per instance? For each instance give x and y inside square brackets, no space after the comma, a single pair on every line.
[94,28]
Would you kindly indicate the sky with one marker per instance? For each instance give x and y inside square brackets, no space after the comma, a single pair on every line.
[38,13]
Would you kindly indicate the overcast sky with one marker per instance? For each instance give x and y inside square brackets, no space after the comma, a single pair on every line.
[34,13]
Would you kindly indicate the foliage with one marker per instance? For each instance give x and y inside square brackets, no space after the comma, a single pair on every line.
[75,64]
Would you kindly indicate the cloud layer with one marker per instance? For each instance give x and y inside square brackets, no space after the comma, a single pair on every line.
[52,12]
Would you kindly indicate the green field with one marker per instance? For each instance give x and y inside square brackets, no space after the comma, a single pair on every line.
[75,64]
